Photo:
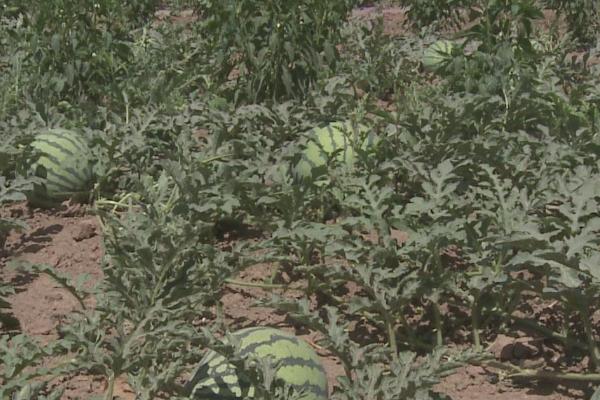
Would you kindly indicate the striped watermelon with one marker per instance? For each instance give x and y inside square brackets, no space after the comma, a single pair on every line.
[437,54]
[299,366]
[333,139]
[65,163]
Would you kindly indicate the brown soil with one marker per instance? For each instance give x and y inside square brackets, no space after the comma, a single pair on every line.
[72,244]
[394,18]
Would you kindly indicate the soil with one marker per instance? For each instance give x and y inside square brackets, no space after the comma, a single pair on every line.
[71,243]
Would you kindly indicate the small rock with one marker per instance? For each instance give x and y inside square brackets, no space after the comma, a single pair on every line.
[16,212]
[84,230]
[524,349]
[53,297]
[507,348]
[502,347]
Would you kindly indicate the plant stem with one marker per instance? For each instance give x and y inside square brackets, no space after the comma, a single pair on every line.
[475,323]
[515,372]
[550,333]
[412,339]
[437,318]
[589,334]
[389,323]
[555,376]
[218,157]
[108,395]
[115,204]
[256,285]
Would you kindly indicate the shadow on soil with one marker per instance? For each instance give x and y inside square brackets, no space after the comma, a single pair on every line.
[8,323]
[36,240]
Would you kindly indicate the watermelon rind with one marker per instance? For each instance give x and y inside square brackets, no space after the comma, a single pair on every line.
[65,166]
[297,365]
[437,54]
[333,140]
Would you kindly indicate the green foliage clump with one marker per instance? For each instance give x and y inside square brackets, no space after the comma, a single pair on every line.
[424,13]
[276,49]
[582,17]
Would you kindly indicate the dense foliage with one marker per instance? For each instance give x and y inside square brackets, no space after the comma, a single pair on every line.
[482,193]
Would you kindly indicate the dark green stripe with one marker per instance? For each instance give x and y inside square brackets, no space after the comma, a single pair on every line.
[59,165]
[223,390]
[69,173]
[311,162]
[200,374]
[52,177]
[312,389]
[81,179]
[284,362]
[210,356]
[271,342]
[54,186]
[322,156]
[208,395]
[220,385]
[64,181]
[51,174]
[78,150]
[334,144]
[244,333]
[206,381]
[74,139]
[56,146]
[300,362]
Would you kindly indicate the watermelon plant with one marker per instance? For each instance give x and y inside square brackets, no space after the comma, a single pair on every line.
[9,194]
[279,49]
[582,16]
[424,13]
[23,375]
[375,62]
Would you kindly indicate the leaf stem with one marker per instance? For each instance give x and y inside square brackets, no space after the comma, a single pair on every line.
[108,395]
[555,376]
[217,157]
[412,339]
[475,323]
[389,323]
[589,334]
[550,333]
[515,372]
[270,286]
[437,319]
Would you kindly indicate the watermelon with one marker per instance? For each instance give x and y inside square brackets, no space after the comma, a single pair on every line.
[64,164]
[437,54]
[298,366]
[325,142]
